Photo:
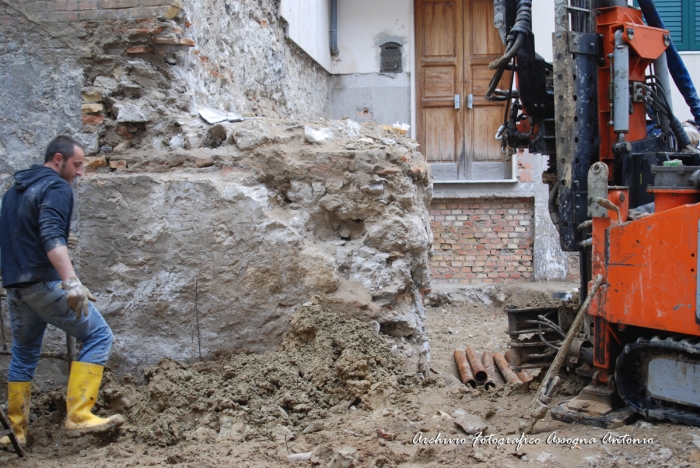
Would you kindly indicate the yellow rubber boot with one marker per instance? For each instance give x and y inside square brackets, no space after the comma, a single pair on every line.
[18,399]
[83,384]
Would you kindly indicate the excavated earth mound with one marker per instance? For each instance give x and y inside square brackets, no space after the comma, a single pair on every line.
[327,362]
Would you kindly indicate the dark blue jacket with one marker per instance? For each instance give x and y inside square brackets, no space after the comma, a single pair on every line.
[35,219]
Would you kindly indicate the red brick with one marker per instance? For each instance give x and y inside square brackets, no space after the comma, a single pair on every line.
[87,4]
[115,4]
[93,119]
[139,50]
[57,5]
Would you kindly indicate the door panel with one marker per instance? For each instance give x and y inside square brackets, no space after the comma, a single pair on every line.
[440,29]
[487,119]
[456,40]
[439,47]
[439,82]
[484,160]
[438,142]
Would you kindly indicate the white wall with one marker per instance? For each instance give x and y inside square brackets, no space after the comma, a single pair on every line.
[692,63]
[543,27]
[309,26]
[364,25]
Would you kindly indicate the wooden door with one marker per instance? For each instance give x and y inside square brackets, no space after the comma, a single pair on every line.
[455,42]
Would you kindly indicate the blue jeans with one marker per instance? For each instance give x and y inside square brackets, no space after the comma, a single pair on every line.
[31,308]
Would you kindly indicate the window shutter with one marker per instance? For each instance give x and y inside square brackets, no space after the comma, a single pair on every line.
[679,18]
[671,12]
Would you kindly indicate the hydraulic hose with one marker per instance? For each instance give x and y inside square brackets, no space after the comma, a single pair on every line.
[679,72]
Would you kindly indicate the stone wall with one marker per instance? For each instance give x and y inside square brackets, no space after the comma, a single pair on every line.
[140,70]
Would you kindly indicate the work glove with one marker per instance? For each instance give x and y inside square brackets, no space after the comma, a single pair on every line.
[77,296]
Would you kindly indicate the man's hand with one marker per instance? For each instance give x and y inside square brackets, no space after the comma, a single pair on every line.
[77,296]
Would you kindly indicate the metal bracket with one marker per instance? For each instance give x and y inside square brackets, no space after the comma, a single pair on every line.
[457,101]
[597,188]
[470,101]
[637,92]
[583,43]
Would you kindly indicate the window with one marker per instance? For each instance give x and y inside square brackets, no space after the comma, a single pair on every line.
[679,17]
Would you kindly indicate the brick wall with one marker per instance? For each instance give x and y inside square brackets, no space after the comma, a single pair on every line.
[88,10]
[484,240]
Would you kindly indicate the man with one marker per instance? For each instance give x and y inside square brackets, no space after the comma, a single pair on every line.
[42,288]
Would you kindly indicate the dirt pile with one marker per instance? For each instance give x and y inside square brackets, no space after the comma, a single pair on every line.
[327,363]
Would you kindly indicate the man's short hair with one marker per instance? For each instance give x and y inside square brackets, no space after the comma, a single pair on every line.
[61,144]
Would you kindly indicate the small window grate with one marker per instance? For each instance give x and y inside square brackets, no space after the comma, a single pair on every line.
[391,57]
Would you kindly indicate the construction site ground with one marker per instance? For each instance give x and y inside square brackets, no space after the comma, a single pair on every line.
[347,433]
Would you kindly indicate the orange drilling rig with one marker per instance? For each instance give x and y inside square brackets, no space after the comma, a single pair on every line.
[624,181]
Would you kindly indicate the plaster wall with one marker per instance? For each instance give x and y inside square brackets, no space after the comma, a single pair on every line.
[309,27]
[364,25]
[358,89]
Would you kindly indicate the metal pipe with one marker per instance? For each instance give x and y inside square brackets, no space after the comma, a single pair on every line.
[487,361]
[465,371]
[505,369]
[621,85]
[334,28]
[525,376]
[477,368]
[661,73]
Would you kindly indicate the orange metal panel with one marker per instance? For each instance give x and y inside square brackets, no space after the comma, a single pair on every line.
[651,272]
[646,41]
[665,199]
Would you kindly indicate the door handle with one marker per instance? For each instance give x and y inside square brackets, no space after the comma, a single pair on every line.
[457,101]
[470,101]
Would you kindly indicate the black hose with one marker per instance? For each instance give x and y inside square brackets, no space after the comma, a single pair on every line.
[510,53]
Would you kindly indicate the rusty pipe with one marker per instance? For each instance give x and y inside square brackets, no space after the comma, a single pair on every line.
[523,375]
[465,371]
[487,360]
[478,370]
[505,369]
